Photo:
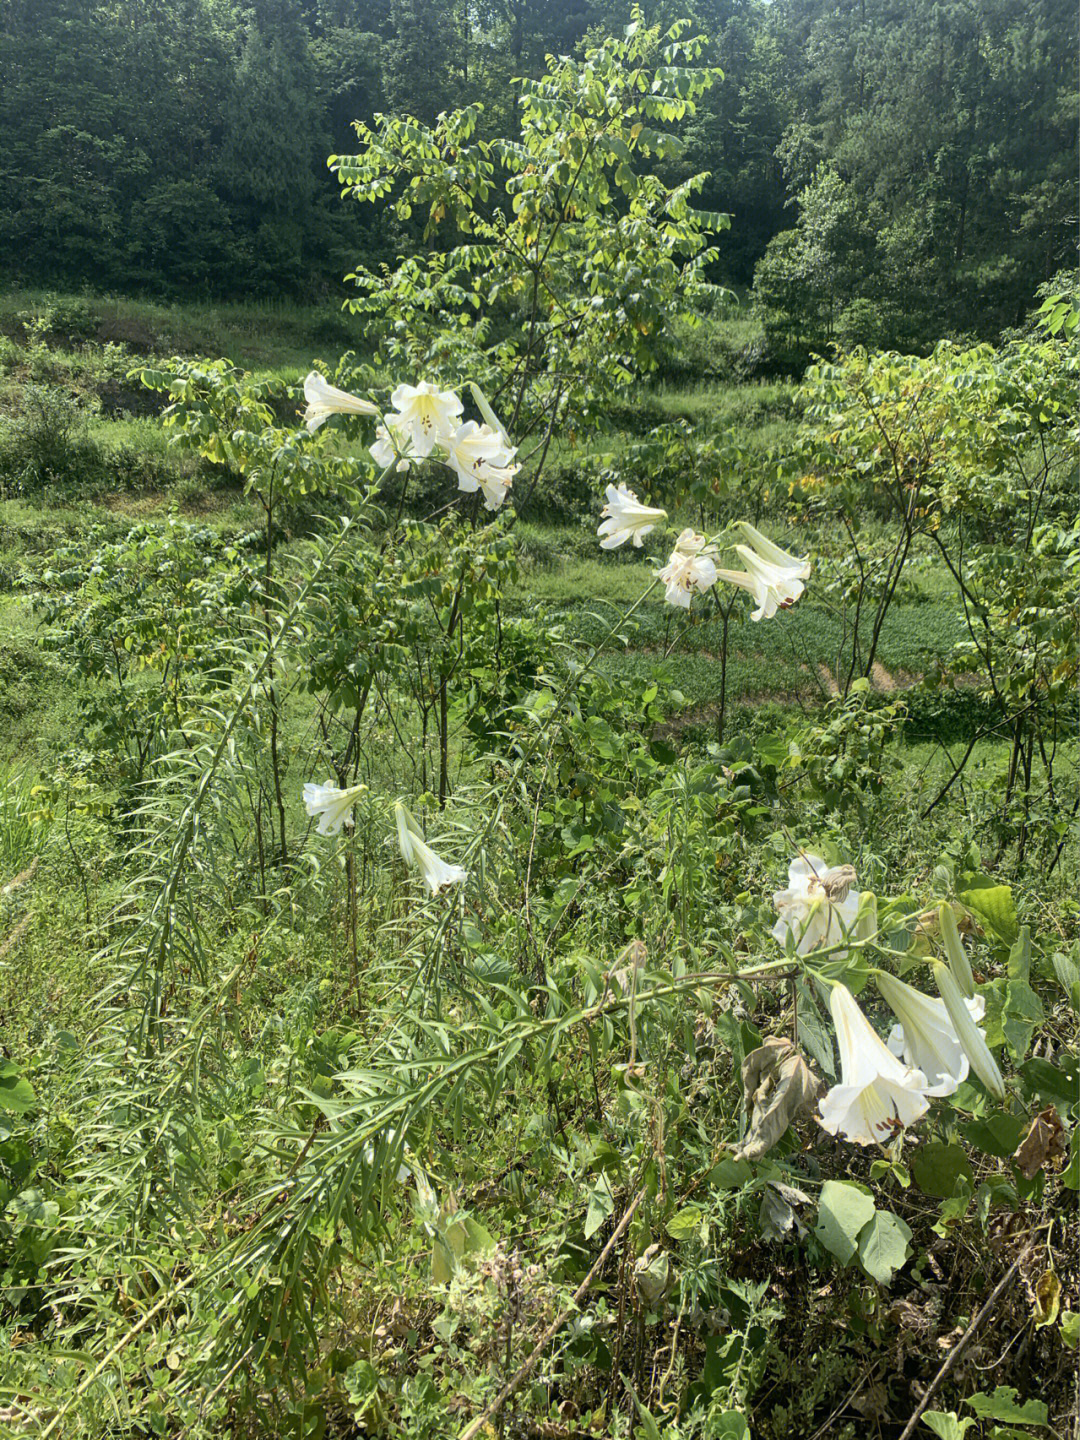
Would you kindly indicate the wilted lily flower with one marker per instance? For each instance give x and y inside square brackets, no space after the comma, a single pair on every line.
[625,518]
[878,1095]
[819,907]
[325,400]
[690,567]
[968,1033]
[333,805]
[762,546]
[772,586]
[438,875]
[926,1038]
[482,461]
[427,415]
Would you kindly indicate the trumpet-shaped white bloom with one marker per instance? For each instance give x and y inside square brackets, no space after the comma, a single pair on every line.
[427,415]
[926,1038]
[332,805]
[817,908]
[388,447]
[878,1094]
[690,567]
[773,587]
[481,460]
[968,1033]
[762,546]
[625,518]
[325,400]
[438,875]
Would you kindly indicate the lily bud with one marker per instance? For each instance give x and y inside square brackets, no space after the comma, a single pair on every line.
[954,950]
[968,1033]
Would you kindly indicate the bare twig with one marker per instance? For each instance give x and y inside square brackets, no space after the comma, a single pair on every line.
[525,1370]
[962,1344]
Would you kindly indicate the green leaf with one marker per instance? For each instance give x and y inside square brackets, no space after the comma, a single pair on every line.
[992,904]
[730,1425]
[685,1223]
[947,1424]
[1003,1405]
[998,1134]
[939,1169]
[843,1210]
[16,1093]
[883,1246]
[1070,1329]
[601,1205]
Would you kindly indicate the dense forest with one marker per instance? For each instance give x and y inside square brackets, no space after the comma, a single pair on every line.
[894,171]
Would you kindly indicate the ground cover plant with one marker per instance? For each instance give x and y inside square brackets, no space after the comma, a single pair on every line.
[537,890]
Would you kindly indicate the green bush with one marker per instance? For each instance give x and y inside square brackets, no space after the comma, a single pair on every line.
[48,446]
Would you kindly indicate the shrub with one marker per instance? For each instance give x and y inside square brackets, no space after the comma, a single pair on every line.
[48,446]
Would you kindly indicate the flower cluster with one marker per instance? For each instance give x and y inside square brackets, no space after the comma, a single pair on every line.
[885,1087]
[334,807]
[426,421]
[774,578]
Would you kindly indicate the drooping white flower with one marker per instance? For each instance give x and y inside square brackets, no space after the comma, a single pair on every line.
[625,518]
[690,568]
[877,1094]
[772,587]
[427,415]
[333,805]
[818,908]
[970,1036]
[437,874]
[770,551]
[926,1038]
[388,447]
[482,461]
[325,400]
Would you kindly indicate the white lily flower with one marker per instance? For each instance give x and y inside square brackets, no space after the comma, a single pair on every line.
[690,567]
[427,415]
[968,1033]
[482,461]
[625,518]
[772,587]
[926,1038]
[325,400]
[438,875]
[877,1094]
[388,447]
[768,550]
[332,805]
[490,418]
[818,908]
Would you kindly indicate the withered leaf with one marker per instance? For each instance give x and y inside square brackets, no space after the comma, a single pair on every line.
[1042,1145]
[778,1085]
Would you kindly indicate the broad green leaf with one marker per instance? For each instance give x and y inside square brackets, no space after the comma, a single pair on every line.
[730,1425]
[16,1092]
[1003,1404]
[998,1134]
[992,904]
[843,1210]
[883,1246]
[947,1424]
[685,1223]
[940,1169]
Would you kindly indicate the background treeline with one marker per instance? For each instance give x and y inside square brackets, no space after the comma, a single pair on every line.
[895,169]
